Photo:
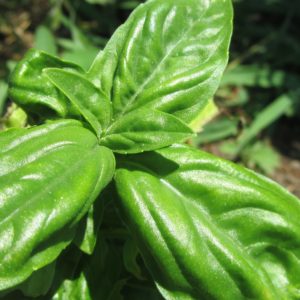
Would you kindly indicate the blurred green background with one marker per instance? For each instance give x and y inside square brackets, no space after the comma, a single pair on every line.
[258,123]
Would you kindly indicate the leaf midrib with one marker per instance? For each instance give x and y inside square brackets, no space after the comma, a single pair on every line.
[131,100]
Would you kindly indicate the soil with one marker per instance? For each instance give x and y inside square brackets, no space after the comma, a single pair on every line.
[17,26]
[288,175]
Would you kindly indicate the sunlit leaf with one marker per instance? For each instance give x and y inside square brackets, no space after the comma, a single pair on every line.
[209,229]
[49,177]
[169,55]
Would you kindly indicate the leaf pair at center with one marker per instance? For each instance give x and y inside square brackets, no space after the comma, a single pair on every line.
[140,130]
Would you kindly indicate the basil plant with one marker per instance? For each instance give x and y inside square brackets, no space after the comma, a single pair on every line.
[101,199]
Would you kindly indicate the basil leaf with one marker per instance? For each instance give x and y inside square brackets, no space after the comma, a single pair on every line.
[209,229]
[99,277]
[86,235]
[130,254]
[74,289]
[68,267]
[104,269]
[39,283]
[34,92]
[144,130]
[49,177]
[88,99]
[169,55]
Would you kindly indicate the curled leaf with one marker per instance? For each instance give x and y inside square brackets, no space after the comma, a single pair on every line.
[34,92]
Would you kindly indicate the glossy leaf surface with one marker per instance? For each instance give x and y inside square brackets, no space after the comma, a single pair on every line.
[74,289]
[49,177]
[169,55]
[209,229]
[32,90]
[89,100]
[144,130]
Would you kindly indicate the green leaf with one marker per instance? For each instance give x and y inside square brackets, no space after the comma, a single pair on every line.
[49,177]
[130,254]
[207,113]
[99,277]
[209,229]
[169,55]
[103,270]
[144,130]
[68,266]
[36,286]
[31,89]
[74,289]
[39,282]
[45,40]
[86,235]
[89,100]
[15,117]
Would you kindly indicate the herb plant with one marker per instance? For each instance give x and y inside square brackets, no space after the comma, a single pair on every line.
[102,179]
